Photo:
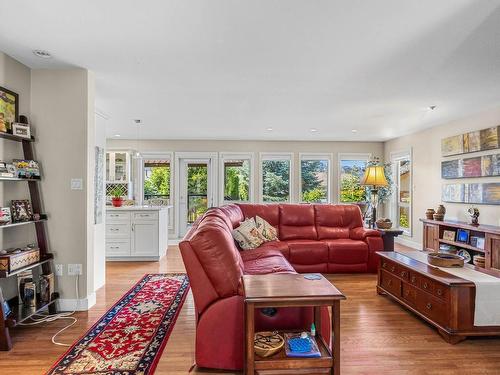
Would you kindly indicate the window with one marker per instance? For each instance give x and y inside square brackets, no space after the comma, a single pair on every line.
[236,177]
[351,169]
[276,177]
[156,185]
[314,178]
[402,198]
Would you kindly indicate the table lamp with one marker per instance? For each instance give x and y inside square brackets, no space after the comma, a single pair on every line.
[375,178]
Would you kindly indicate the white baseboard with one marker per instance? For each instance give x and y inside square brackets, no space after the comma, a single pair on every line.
[82,304]
[408,242]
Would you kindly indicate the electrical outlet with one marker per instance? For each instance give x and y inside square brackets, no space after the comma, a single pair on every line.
[74,269]
[59,270]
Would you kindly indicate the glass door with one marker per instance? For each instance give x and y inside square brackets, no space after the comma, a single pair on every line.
[196,194]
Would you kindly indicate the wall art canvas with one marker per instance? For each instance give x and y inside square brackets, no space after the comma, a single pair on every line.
[480,193]
[99,185]
[479,166]
[480,140]
[452,145]
[9,109]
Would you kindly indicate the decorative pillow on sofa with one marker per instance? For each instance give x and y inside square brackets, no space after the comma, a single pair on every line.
[247,235]
[265,229]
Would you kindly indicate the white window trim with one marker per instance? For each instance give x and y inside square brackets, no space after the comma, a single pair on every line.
[223,156]
[397,156]
[317,156]
[348,156]
[276,156]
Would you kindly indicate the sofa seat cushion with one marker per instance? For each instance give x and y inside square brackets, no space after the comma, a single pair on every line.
[308,252]
[281,246]
[346,251]
[264,261]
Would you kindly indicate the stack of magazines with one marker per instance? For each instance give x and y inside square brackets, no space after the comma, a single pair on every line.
[301,345]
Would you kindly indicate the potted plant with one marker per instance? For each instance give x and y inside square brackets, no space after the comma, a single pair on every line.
[116,197]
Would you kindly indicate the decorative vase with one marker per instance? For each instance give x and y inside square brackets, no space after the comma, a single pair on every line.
[441,210]
[117,201]
[429,213]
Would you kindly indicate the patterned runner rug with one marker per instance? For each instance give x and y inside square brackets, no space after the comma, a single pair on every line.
[131,336]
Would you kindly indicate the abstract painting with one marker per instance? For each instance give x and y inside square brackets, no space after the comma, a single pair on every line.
[480,140]
[479,166]
[487,193]
[452,145]
[9,109]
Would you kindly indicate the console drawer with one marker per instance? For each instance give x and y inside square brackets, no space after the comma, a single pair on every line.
[409,294]
[118,230]
[433,308]
[390,283]
[146,215]
[114,215]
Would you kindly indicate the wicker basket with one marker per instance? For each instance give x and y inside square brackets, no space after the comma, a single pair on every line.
[267,344]
[479,261]
[445,260]
[382,224]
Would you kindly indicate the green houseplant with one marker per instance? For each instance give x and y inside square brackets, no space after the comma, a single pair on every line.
[116,197]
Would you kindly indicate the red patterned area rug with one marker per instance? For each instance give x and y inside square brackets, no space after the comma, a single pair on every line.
[131,336]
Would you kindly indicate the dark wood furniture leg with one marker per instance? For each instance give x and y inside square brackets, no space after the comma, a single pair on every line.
[5,341]
[451,339]
[250,333]
[336,337]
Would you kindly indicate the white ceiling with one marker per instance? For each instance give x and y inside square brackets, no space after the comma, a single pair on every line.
[229,69]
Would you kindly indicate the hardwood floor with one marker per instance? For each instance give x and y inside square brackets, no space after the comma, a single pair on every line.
[378,336]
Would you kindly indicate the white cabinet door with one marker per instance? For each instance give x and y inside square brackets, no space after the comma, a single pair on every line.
[145,238]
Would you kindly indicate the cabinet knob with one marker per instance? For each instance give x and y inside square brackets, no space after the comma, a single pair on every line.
[389,282]
[439,292]
[413,279]
[428,306]
[407,292]
[403,273]
[393,268]
[425,286]
[384,265]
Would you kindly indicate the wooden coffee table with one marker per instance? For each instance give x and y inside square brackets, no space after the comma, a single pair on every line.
[292,290]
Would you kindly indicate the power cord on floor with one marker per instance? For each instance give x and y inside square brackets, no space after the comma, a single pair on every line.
[46,318]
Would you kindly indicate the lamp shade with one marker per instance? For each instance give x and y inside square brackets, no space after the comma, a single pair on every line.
[374,176]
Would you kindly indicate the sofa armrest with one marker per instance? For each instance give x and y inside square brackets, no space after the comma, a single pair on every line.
[361,233]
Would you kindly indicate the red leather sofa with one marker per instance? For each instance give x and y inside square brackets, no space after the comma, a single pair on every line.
[312,238]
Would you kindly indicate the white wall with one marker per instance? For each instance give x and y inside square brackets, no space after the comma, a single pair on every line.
[426,149]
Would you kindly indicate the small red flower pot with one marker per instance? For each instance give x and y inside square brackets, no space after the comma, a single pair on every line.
[117,202]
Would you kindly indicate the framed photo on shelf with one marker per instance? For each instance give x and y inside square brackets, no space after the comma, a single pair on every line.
[21,130]
[9,109]
[449,235]
[463,235]
[5,216]
[21,211]
[477,242]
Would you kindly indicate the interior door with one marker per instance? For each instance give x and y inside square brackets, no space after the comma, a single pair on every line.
[196,194]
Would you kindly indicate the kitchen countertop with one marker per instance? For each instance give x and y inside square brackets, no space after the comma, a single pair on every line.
[138,208]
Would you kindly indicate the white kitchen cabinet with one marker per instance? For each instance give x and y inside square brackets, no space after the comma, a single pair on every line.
[136,233]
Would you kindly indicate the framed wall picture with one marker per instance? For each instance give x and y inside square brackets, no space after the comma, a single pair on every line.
[21,211]
[449,235]
[463,235]
[9,109]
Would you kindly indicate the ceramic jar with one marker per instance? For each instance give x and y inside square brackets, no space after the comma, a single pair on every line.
[429,213]
[441,210]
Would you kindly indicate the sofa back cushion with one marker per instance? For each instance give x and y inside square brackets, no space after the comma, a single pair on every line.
[335,221]
[215,248]
[297,222]
[233,213]
[269,212]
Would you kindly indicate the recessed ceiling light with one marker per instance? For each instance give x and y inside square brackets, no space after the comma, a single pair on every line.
[432,107]
[354,130]
[117,135]
[313,130]
[269,129]
[42,54]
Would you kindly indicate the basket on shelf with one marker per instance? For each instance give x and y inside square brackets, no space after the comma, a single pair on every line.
[267,344]
[384,223]
[479,261]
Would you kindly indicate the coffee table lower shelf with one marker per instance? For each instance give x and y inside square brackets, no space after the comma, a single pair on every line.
[279,362]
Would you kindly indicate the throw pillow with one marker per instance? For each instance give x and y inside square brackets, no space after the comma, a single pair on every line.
[265,229]
[247,235]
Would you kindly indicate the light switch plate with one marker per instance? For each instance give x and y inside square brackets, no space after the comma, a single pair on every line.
[74,269]
[59,270]
[76,184]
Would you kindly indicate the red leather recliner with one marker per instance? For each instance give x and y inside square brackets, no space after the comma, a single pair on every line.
[313,238]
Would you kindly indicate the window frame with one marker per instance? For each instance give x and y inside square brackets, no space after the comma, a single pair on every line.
[317,156]
[223,156]
[288,156]
[348,156]
[396,157]
[139,183]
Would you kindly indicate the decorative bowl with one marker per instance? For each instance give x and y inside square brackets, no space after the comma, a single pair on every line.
[267,344]
[384,224]
[445,260]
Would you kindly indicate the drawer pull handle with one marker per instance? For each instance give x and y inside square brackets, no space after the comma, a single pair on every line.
[384,265]
[114,215]
[439,292]
[403,274]
[413,279]
[425,286]
[407,292]
[114,230]
[114,247]
[428,306]
[389,282]
[393,268]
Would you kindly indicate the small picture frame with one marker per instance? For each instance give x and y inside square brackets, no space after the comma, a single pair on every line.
[449,235]
[463,235]
[480,243]
[21,211]
[21,130]
[5,216]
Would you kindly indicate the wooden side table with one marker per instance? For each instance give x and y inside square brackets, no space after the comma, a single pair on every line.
[388,236]
[292,290]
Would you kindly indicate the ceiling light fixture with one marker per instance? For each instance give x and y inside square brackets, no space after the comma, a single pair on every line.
[354,130]
[313,130]
[42,54]
[432,107]
[269,129]
[117,135]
